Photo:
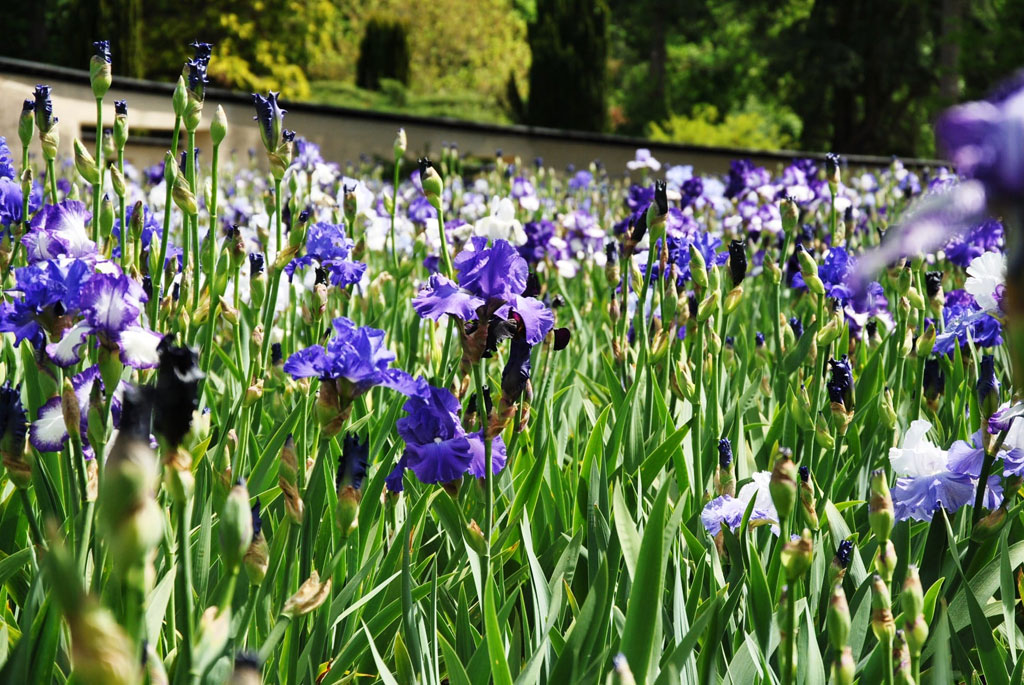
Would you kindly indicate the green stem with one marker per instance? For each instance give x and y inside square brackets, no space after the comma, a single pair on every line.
[30,514]
[99,165]
[480,377]
[51,176]
[193,182]
[211,278]
[394,209]
[789,647]
[185,588]
[446,260]
[695,431]
[276,633]
[158,272]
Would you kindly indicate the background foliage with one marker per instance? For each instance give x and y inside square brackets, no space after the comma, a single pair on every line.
[856,77]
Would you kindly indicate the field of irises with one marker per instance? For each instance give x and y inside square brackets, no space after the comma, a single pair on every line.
[279,420]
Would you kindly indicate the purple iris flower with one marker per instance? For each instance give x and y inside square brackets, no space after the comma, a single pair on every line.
[495,277]
[59,230]
[725,510]
[331,248]
[420,210]
[43,287]
[48,432]
[356,358]
[743,176]
[835,272]
[963,317]
[920,497]
[437,447]
[6,160]
[984,237]
[581,180]
[983,139]
[538,236]
[110,303]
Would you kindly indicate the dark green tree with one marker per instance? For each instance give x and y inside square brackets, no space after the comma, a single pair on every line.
[568,72]
[383,54]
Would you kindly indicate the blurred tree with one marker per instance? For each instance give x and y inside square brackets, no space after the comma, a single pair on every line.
[383,53]
[569,46]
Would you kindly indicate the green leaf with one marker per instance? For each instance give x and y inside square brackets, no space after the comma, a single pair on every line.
[645,602]
[495,644]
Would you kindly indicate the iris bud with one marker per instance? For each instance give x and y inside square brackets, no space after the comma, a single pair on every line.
[219,126]
[838,620]
[99,69]
[926,341]
[182,194]
[988,386]
[85,164]
[915,627]
[27,122]
[288,481]
[120,124]
[887,409]
[180,98]
[71,411]
[881,514]
[401,144]
[117,180]
[783,485]
[235,530]
[431,181]
[882,623]
[698,268]
[790,212]
[809,270]
[475,538]
[797,555]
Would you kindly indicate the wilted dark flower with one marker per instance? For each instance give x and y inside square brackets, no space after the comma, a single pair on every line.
[257,520]
[934,382]
[805,474]
[933,283]
[276,354]
[842,558]
[840,386]
[121,107]
[759,339]
[355,455]
[737,261]
[517,369]
[988,386]
[175,395]
[256,264]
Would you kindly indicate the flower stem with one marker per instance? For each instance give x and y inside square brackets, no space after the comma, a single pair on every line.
[184,589]
[789,639]
[97,189]
[480,377]
[51,176]
[158,271]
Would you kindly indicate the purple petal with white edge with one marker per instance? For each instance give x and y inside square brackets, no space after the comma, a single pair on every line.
[307,363]
[138,347]
[1013,462]
[82,383]
[109,303]
[48,433]
[67,351]
[440,295]
[478,466]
